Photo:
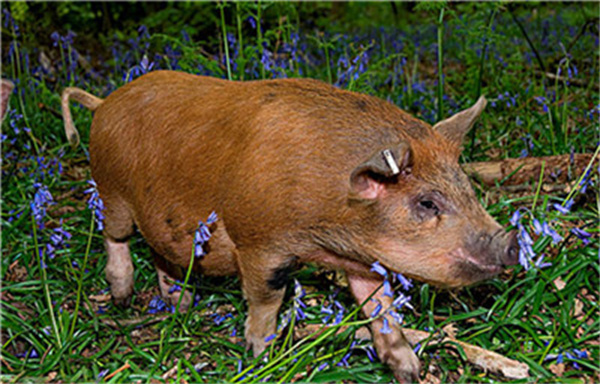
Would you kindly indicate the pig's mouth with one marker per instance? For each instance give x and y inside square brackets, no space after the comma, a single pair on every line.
[473,266]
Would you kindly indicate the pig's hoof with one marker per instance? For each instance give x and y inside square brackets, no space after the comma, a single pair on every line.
[408,369]
[173,299]
[256,343]
[122,302]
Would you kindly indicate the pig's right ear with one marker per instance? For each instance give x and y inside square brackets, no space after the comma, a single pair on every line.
[369,179]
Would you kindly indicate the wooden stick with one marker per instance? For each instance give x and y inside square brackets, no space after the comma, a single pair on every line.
[558,169]
[124,367]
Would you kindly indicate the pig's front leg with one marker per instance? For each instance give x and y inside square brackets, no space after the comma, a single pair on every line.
[392,348]
[264,295]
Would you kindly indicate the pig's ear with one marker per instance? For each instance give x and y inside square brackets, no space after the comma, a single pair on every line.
[369,179]
[5,91]
[455,128]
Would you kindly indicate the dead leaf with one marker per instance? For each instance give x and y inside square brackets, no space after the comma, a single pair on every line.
[430,379]
[51,376]
[558,369]
[450,330]
[100,298]
[578,309]
[560,284]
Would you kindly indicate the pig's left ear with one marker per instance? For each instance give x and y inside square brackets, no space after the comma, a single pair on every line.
[455,128]
[369,179]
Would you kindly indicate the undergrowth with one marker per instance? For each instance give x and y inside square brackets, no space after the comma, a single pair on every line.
[58,323]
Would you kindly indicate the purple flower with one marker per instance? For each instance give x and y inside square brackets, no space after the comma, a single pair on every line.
[581,234]
[516,216]
[176,287]
[387,289]
[270,338]
[406,283]
[371,354]
[202,235]
[96,204]
[378,268]
[401,301]
[322,367]
[396,316]
[102,373]
[252,22]
[377,309]
[539,263]
[298,303]
[385,329]
[41,200]
[546,230]
[537,227]
[212,218]
[328,311]
[157,305]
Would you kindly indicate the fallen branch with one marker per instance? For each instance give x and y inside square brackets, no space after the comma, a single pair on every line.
[557,169]
[572,81]
[141,321]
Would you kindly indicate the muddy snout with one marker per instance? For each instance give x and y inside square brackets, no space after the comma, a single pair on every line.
[500,249]
[510,256]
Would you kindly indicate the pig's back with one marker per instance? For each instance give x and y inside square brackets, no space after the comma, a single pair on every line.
[177,146]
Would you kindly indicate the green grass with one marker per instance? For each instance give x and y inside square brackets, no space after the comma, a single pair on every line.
[531,316]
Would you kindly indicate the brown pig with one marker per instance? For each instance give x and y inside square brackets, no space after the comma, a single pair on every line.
[297,171]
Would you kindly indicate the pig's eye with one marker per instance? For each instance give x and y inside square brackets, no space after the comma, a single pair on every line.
[430,207]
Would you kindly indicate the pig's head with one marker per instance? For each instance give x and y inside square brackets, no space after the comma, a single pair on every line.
[428,222]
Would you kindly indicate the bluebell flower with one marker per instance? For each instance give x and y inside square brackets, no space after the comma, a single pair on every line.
[417,348]
[57,241]
[102,373]
[41,200]
[212,218]
[96,204]
[402,301]
[202,235]
[385,329]
[514,219]
[270,337]
[379,269]
[328,311]
[539,263]
[252,22]
[176,287]
[387,289]
[322,366]
[371,354]
[537,227]
[299,293]
[339,316]
[157,305]
[377,309]
[562,209]
[399,318]
[581,234]
[405,282]
[546,230]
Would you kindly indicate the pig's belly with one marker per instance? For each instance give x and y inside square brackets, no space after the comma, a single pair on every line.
[169,224]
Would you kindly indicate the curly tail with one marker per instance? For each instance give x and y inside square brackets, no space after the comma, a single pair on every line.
[88,100]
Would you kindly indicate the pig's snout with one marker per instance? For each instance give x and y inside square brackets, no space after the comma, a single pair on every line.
[511,252]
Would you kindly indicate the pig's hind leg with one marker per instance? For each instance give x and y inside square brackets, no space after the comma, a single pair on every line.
[118,227]
[167,274]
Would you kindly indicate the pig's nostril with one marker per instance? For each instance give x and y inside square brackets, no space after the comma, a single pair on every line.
[511,256]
